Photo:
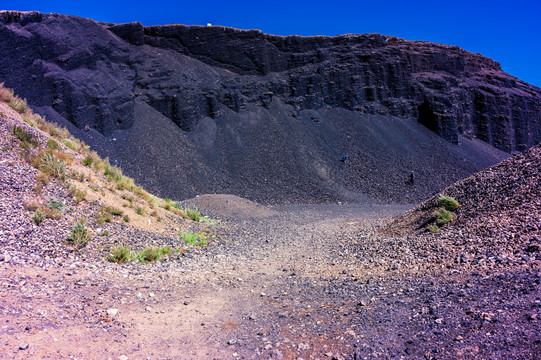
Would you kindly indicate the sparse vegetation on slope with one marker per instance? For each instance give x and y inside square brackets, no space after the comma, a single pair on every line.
[121,255]
[448,203]
[191,238]
[443,216]
[79,235]
[92,188]
[193,214]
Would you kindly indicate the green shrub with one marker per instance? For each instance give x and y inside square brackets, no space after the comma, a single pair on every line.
[124,182]
[52,144]
[39,216]
[113,173]
[434,229]
[166,250]
[69,144]
[103,215]
[92,158]
[443,216]
[149,254]
[129,198]
[192,238]
[115,211]
[448,203]
[87,161]
[51,165]
[56,205]
[26,138]
[140,211]
[126,218]
[79,235]
[105,212]
[193,214]
[120,255]
[78,195]
[152,253]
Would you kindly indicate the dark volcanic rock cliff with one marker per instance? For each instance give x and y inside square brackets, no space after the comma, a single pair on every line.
[214,109]
[447,89]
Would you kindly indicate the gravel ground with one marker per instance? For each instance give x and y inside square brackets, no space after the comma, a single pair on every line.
[286,282]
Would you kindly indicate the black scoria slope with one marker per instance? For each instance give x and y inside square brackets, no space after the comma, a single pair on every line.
[187,110]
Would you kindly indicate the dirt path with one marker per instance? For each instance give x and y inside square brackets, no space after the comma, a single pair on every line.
[266,293]
[287,284]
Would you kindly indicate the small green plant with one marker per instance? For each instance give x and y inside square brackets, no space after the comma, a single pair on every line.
[78,195]
[192,238]
[434,229]
[126,218]
[167,205]
[149,254]
[448,203]
[26,138]
[104,233]
[103,215]
[115,211]
[51,165]
[105,212]
[443,216]
[52,144]
[39,216]
[93,159]
[120,255]
[69,144]
[87,161]
[193,214]
[140,211]
[166,250]
[152,253]
[129,198]
[79,235]
[113,173]
[56,205]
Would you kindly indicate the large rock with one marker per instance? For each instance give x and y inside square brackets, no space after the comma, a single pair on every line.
[215,109]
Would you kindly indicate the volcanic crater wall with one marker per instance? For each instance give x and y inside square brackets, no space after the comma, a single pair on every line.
[114,83]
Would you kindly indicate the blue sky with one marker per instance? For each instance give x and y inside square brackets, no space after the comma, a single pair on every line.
[506,31]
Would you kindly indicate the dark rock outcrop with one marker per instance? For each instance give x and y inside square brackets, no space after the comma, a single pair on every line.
[253,111]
